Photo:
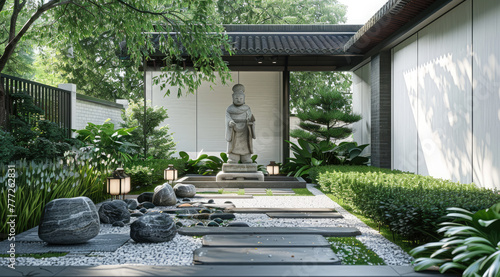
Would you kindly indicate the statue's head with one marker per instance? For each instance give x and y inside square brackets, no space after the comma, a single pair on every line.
[238,95]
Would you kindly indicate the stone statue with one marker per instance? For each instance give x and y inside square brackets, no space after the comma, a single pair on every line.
[240,128]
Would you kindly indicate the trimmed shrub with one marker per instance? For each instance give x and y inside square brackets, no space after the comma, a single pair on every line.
[157,165]
[411,205]
[140,175]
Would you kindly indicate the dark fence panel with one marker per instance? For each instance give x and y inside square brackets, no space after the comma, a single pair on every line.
[55,102]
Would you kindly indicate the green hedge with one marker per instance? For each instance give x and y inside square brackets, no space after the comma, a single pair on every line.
[158,166]
[411,205]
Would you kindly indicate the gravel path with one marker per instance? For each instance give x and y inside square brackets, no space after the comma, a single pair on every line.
[180,250]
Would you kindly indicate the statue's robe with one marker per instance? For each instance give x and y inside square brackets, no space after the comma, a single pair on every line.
[240,137]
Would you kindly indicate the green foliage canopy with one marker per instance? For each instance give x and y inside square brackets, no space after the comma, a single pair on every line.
[65,24]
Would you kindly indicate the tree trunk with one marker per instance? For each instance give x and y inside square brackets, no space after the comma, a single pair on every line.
[4,111]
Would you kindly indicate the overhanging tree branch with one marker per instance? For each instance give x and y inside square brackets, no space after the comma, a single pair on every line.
[9,49]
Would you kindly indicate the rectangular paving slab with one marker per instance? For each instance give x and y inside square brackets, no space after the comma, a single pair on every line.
[265,256]
[101,243]
[278,210]
[28,242]
[265,241]
[324,231]
[305,215]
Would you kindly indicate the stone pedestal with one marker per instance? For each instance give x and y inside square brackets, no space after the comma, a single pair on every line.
[239,172]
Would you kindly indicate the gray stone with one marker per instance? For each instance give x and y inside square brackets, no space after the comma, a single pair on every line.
[131,204]
[184,190]
[147,205]
[136,214]
[118,224]
[143,210]
[69,221]
[227,167]
[164,195]
[239,176]
[265,256]
[240,128]
[145,196]
[223,216]
[305,215]
[153,228]
[238,224]
[278,210]
[112,211]
[265,241]
[324,231]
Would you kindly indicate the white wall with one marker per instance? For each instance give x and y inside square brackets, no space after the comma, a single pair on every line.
[446,84]
[486,95]
[197,121]
[404,103]
[361,102]
[95,113]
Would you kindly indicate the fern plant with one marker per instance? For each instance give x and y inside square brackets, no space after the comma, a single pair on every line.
[471,244]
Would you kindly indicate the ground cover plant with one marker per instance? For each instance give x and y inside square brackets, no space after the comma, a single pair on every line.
[410,205]
[471,245]
[353,252]
[37,183]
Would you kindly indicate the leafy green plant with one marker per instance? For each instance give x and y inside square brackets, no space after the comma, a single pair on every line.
[104,140]
[471,244]
[152,140]
[37,183]
[140,175]
[30,137]
[210,165]
[309,155]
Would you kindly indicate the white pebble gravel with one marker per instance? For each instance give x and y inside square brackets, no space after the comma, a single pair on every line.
[179,251]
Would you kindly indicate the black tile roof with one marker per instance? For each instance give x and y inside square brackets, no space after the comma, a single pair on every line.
[290,39]
[286,39]
[288,44]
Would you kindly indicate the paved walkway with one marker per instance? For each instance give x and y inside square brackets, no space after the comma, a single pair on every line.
[310,270]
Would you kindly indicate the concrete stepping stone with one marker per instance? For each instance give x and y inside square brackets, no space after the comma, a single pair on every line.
[231,189]
[228,196]
[278,210]
[265,241]
[324,231]
[305,215]
[265,256]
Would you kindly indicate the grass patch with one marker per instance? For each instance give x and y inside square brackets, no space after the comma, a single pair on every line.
[302,192]
[383,230]
[149,188]
[37,256]
[353,252]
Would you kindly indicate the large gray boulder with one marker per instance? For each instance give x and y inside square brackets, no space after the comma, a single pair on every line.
[164,195]
[69,221]
[145,196]
[112,211]
[156,227]
[184,190]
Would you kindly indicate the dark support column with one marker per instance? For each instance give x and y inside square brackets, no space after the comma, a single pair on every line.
[286,115]
[381,110]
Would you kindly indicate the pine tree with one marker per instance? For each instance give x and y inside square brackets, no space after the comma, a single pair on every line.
[325,116]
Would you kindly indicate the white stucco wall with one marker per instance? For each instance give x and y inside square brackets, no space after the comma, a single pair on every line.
[361,102]
[197,121]
[446,83]
[486,94]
